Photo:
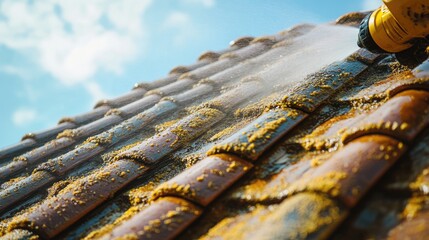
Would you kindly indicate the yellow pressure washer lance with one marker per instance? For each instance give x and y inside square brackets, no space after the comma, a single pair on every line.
[400,27]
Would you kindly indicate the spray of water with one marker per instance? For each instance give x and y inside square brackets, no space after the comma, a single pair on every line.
[309,53]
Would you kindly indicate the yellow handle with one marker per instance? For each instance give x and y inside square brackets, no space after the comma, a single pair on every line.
[396,22]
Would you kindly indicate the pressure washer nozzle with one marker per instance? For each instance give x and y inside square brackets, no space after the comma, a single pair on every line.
[395,26]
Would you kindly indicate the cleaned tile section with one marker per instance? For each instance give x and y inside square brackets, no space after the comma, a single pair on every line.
[318,87]
[251,141]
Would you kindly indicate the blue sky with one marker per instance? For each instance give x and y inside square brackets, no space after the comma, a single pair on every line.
[58,57]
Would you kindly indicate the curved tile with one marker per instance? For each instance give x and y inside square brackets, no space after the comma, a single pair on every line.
[68,161]
[154,148]
[47,134]
[15,149]
[122,100]
[318,87]
[304,216]
[402,117]
[36,155]
[230,99]
[24,188]
[171,88]
[191,95]
[88,116]
[139,105]
[163,219]
[352,170]
[205,180]
[251,141]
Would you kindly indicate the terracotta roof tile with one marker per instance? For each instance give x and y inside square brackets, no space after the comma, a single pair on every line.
[163,219]
[171,88]
[153,149]
[129,97]
[258,136]
[26,160]
[316,88]
[23,188]
[88,116]
[350,172]
[205,180]
[68,161]
[402,117]
[191,95]
[17,148]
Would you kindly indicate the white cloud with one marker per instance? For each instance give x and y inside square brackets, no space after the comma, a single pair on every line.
[371,4]
[183,24]
[74,39]
[24,116]
[205,3]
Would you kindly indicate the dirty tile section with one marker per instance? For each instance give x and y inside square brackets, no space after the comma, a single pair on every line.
[243,144]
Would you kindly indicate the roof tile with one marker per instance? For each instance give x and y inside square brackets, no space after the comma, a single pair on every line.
[228,100]
[191,95]
[365,56]
[17,148]
[153,149]
[88,116]
[96,126]
[241,42]
[140,105]
[122,100]
[24,188]
[20,163]
[49,133]
[251,141]
[174,87]
[66,162]
[402,117]
[318,87]
[205,180]
[351,171]
[157,83]
[303,216]
[163,219]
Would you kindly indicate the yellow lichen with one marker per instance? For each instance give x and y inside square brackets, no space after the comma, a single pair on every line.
[328,183]
[266,131]
[69,133]
[161,127]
